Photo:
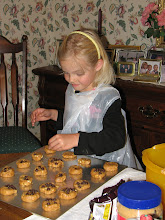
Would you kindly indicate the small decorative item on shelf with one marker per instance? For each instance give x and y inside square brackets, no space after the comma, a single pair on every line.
[149,70]
[153,18]
[126,69]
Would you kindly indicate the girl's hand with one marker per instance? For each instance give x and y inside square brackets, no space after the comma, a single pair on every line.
[40,114]
[60,142]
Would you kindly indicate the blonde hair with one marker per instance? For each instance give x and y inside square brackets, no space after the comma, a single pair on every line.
[80,45]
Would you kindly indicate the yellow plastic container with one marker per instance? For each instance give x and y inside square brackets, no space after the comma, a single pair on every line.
[154,160]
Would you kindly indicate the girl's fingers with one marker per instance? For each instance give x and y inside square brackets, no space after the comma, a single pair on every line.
[54,144]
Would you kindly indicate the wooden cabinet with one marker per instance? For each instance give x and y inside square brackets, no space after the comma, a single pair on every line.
[51,86]
[145,107]
[144,104]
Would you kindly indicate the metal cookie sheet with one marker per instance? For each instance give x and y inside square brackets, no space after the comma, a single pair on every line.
[36,207]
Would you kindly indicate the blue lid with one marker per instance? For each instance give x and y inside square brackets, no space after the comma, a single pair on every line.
[139,195]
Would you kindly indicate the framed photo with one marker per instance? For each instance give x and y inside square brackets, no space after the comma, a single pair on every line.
[124,47]
[130,56]
[160,42]
[158,55]
[162,77]
[149,67]
[111,54]
[126,68]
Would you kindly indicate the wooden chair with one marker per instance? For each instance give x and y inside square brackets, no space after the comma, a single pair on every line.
[16,138]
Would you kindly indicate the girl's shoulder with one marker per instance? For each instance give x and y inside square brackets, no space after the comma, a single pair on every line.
[109,90]
[108,93]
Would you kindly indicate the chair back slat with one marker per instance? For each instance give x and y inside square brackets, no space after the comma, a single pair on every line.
[6,47]
[3,89]
[14,85]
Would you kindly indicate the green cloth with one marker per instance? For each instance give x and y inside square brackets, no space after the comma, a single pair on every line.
[17,139]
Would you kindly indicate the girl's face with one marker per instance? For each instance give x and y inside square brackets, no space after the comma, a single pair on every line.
[155,67]
[145,66]
[79,74]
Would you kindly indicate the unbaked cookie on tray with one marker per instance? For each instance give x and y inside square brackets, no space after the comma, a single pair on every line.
[48,151]
[47,188]
[84,161]
[69,155]
[7,171]
[60,177]
[51,204]
[55,162]
[110,166]
[37,156]
[40,170]
[81,184]
[75,170]
[67,193]
[98,173]
[23,163]
[25,180]
[30,196]
[8,190]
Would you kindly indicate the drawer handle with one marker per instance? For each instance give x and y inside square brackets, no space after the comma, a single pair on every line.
[149,112]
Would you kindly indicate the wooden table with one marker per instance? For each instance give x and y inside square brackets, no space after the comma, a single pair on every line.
[7,211]
[8,158]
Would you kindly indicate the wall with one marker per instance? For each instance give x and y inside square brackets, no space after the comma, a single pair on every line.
[45,21]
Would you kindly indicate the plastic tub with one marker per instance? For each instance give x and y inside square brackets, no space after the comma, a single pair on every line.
[154,160]
[137,198]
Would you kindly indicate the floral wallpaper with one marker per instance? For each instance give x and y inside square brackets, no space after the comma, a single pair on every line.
[46,21]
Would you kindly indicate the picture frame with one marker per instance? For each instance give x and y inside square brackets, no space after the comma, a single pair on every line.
[130,56]
[157,54]
[126,69]
[160,42]
[125,47]
[149,68]
[162,77]
[111,54]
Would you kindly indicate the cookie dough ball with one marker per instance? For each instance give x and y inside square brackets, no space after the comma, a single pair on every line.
[37,156]
[30,196]
[67,193]
[60,177]
[110,166]
[40,171]
[7,172]
[25,180]
[98,173]
[81,184]
[75,170]
[69,155]
[51,204]
[23,163]
[8,190]
[84,161]
[55,162]
[48,151]
[47,188]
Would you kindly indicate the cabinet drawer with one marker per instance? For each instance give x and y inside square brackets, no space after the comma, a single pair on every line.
[148,113]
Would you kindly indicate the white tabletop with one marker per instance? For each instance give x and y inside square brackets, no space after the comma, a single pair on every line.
[81,210]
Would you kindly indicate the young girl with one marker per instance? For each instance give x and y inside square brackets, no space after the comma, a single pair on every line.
[93,123]
[144,67]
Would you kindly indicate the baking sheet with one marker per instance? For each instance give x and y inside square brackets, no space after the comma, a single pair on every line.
[36,207]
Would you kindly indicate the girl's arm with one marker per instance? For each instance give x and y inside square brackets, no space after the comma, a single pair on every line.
[110,139]
[42,114]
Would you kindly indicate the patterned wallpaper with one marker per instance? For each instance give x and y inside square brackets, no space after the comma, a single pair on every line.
[45,21]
